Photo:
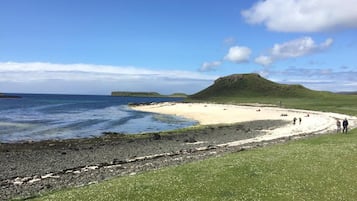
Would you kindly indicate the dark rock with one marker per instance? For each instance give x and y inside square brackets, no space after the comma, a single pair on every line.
[156,136]
[211,146]
[190,140]
[117,161]
[74,148]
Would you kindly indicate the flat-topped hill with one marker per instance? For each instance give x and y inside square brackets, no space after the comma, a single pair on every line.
[146,94]
[253,85]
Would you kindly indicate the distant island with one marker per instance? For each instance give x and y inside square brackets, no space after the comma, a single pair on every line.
[147,94]
[8,96]
[348,92]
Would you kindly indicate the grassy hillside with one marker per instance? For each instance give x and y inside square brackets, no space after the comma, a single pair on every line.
[252,88]
[252,85]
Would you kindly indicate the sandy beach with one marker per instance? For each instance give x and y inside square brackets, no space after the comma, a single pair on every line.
[30,168]
[312,122]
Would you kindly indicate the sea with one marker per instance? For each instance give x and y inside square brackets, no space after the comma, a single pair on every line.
[37,117]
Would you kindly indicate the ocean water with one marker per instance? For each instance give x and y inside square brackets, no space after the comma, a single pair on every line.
[36,117]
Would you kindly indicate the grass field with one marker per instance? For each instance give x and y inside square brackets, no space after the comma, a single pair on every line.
[318,168]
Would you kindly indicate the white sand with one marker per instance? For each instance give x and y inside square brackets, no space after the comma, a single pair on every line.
[207,114]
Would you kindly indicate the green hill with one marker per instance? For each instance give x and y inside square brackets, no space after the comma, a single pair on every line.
[251,86]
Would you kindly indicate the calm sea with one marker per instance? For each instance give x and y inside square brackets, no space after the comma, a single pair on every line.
[38,117]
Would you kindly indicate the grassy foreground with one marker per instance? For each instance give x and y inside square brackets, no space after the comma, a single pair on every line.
[319,168]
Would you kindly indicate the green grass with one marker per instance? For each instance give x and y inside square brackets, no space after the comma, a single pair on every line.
[345,104]
[320,168]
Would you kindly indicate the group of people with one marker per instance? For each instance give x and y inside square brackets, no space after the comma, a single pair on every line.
[344,126]
[338,123]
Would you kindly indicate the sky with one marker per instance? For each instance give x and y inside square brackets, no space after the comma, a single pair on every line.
[169,46]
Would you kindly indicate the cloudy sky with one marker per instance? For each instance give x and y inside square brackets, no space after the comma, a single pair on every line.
[98,46]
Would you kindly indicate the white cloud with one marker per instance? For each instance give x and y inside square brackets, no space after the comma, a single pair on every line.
[238,54]
[95,79]
[263,60]
[299,47]
[303,15]
[294,48]
[317,79]
[328,42]
[210,66]
[229,41]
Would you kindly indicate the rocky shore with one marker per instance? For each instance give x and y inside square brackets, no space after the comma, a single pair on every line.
[31,168]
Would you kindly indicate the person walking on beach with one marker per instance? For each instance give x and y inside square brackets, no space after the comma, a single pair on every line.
[338,124]
[344,124]
[294,120]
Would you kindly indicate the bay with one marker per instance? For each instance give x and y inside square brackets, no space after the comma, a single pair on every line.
[36,117]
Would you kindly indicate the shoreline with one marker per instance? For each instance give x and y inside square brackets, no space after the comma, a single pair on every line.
[52,165]
[211,114]
[306,121]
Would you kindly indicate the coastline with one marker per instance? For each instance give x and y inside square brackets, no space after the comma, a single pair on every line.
[38,167]
[211,114]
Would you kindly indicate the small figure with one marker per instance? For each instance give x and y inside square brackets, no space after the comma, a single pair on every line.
[338,124]
[300,120]
[294,120]
[344,124]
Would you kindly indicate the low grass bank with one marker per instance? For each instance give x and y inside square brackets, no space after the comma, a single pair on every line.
[319,168]
[344,104]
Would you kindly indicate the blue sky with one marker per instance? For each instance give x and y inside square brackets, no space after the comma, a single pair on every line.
[95,47]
